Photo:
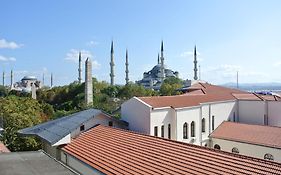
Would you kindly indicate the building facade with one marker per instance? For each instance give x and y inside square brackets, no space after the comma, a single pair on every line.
[192,117]
[246,139]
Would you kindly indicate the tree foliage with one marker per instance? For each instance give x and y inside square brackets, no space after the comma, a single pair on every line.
[18,113]
[170,86]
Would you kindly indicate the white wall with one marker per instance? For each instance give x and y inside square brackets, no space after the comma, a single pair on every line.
[78,165]
[101,119]
[161,117]
[188,115]
[222,112]
[137,114]
[252,112]
[274,113]
[247,149]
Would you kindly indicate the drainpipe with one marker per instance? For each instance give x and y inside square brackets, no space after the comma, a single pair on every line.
[176,124]
[200,126]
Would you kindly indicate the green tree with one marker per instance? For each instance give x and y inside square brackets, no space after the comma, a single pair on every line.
[170,86]
[18,113]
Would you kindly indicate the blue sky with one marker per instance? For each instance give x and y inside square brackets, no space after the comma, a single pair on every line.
[45,36]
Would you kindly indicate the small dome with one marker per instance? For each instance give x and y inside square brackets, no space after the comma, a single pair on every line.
[29,78]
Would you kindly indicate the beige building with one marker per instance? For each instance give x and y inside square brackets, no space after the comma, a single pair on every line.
[252,140]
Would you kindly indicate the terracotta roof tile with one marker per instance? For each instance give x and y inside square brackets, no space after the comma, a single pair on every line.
[116,151]
[3,148]
[201,93]
[253,134]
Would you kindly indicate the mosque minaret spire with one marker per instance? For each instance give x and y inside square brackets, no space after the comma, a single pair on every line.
[195,64]
[112,65]
[162,62]
[127,67]
[80,69]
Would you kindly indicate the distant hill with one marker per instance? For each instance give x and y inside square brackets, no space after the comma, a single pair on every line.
[255,86]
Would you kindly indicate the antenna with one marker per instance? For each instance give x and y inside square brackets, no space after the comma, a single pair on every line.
[237,82]
[199,72]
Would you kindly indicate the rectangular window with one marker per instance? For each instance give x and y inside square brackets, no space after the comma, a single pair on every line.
[265,120]
[110,123]
[234,117]
[155,131]
[66,161]
[82,128]
[162,131]
[169,131]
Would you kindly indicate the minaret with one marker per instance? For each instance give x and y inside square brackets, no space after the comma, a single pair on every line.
[80,69]
[195,64]
[88,82]
[51,80]
[12,79]
[112,65]
[162,62]
[3,83]
[158,61]
[127,68]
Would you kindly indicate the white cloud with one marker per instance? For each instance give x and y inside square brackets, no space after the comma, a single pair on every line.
[73,54]
[227,73]
[92,43]
[9,45]
[6,59]
[189,55]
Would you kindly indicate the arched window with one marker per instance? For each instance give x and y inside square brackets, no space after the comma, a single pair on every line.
[268,156]
[203,125]
[162,131]
[169,131]
[185,131]
[155,131]
[235,150]
[217,146]
[213,122]
[192,129]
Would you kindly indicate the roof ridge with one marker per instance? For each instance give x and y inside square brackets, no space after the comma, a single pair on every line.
[266,126]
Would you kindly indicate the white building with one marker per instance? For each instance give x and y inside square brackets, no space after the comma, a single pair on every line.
[26,83]
[252,140]
[192,117]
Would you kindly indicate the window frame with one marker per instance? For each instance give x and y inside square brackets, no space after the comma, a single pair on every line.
[203,125]
[156,131]
[162,131]
[169,131]
[192,129]
[185,131]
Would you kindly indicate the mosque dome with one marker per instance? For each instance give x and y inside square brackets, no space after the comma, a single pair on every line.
[29,78]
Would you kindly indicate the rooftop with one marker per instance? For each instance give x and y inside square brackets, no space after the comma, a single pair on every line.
[54,130]
[203,93]
[246,133]
[31,163]
[116,151]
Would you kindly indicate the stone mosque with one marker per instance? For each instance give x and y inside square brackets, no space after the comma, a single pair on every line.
[154,78]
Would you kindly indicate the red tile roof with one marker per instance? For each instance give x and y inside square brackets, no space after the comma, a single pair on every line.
[116,151]
[200,93]
[253,134]
[3,148]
